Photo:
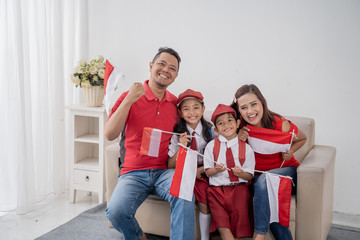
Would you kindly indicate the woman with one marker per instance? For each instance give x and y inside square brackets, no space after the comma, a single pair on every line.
[252,109]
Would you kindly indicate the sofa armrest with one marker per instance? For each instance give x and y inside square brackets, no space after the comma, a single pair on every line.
[315,185]
[112,154]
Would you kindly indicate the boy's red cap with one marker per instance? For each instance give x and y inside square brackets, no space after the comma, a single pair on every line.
[221,109]
[190,94]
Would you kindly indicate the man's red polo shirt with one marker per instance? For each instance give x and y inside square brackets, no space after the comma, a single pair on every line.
[147,112]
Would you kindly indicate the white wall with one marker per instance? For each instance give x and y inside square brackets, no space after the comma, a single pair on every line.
[304,56]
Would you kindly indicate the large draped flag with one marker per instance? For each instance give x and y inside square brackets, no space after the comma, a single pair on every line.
[150,142]
[183,182]
[112,76]
[279,192]
[268,141]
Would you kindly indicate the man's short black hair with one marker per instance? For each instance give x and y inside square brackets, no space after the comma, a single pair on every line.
[171,52]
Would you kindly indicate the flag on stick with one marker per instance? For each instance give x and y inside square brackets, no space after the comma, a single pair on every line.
[150,142]
[183,182]
[268,141]
[279,192]
[111,77]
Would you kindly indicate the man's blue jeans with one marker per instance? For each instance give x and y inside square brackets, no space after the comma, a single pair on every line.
[131,191]
[262,207]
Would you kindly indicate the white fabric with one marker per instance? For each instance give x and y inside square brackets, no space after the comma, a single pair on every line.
[279,194]
[223,178]
[154,145]
[37,45]
[113,80]
[273,183]
[267,147]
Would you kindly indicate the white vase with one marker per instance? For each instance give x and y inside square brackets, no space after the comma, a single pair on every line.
[93,96]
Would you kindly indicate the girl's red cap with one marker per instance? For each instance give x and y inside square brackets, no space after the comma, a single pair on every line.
[190,94]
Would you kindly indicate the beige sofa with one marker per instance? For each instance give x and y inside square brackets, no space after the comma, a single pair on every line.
[311,209]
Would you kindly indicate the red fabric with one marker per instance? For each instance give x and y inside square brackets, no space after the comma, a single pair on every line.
[189,93]
[230,163]
[175,185]
[147,112]
[108,70]
[193,142]
[201,186]
[284,199]
[242,150]
[229,206]
[221,109]
[216,150]
[265,162]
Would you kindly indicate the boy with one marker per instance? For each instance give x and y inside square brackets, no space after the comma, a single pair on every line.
[229,163]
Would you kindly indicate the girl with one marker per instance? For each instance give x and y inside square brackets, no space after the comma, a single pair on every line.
[196,132]
[251,107]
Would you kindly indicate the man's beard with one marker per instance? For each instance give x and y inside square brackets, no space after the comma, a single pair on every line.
[160,85]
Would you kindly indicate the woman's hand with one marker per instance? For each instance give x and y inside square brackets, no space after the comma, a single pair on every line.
[243,133]
[184,139]
[287,155]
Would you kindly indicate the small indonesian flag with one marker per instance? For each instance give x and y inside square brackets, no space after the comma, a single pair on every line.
[268,141]
[279,192]
[150,142]
[111,77]
[183,182]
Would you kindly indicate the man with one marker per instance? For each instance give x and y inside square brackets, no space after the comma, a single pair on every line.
[147,105]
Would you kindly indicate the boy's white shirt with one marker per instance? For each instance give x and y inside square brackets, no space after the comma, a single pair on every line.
[200,141]
[221,179]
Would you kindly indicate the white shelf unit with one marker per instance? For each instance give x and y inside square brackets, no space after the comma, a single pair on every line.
[86,148]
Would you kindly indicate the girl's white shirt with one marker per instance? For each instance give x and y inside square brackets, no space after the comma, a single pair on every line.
[223,178]
[199,138]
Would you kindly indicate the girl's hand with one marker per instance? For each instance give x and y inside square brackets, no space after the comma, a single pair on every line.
[243,133]
[184,139]
[200,171]
[220,167]
[287,155]
[237,171]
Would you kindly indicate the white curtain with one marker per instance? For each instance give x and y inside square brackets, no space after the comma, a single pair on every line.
[40,41]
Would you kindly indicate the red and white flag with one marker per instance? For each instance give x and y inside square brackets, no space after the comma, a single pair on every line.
[279,192]
[111,77]
[150,142]
[183,182]
[268,141]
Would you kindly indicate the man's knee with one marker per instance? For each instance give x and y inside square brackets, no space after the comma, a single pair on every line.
[260,184]
[116,213]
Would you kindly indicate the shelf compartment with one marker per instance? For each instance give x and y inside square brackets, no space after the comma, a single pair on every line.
[86,156]
[86,128]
